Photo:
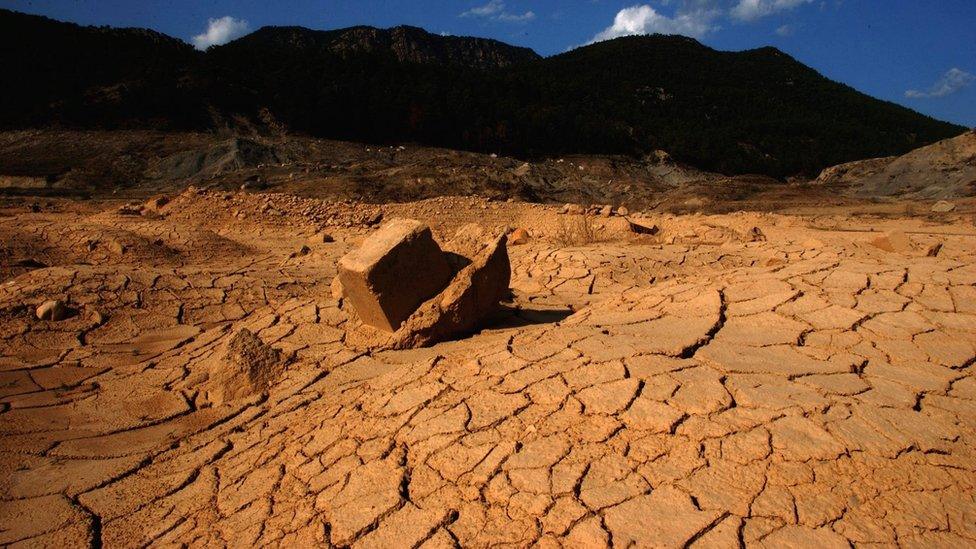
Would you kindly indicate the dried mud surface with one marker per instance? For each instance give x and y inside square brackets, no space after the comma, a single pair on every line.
[698,387]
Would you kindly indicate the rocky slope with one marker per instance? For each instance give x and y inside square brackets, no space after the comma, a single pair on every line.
[138,164]
[946,169]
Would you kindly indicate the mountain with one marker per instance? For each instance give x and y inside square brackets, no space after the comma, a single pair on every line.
[407,44]
[757,111]
[62,73]
[734,112]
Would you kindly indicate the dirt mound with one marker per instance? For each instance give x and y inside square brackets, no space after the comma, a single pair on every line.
[228,156]
[216,209]
[247,368]
[946,169]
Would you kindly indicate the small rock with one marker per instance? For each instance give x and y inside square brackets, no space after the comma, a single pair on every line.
[643,228]
[375,219]
[115,247]
[518,236]
[606,211]
[98,317]
[155,204]
[303,251]
[756,235]
[934,250]
[623,211]
[336,289]
[943,206]
[53,310]
[321,238]
[130,210]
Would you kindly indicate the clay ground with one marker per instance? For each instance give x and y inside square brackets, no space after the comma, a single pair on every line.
[697,387]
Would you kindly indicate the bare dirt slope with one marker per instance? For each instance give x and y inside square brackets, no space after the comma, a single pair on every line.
[702,386]
[946,169]
[137,164]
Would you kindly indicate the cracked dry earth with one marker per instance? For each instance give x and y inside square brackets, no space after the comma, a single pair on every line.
[807,390]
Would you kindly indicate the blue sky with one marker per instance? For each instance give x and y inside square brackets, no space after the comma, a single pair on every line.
[919,53]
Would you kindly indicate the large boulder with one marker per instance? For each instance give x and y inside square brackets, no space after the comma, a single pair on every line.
[395,270]
[472,295]
[480,284]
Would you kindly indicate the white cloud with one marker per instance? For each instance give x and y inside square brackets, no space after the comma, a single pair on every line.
[644,19]
[951,82]
[515,18]
[493,7]
[495,11]
[785,30]
[750,10]
[220,31]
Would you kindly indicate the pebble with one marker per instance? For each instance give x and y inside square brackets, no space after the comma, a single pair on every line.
[53,310]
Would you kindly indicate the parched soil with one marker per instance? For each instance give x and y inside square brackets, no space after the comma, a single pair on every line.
[706,385]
